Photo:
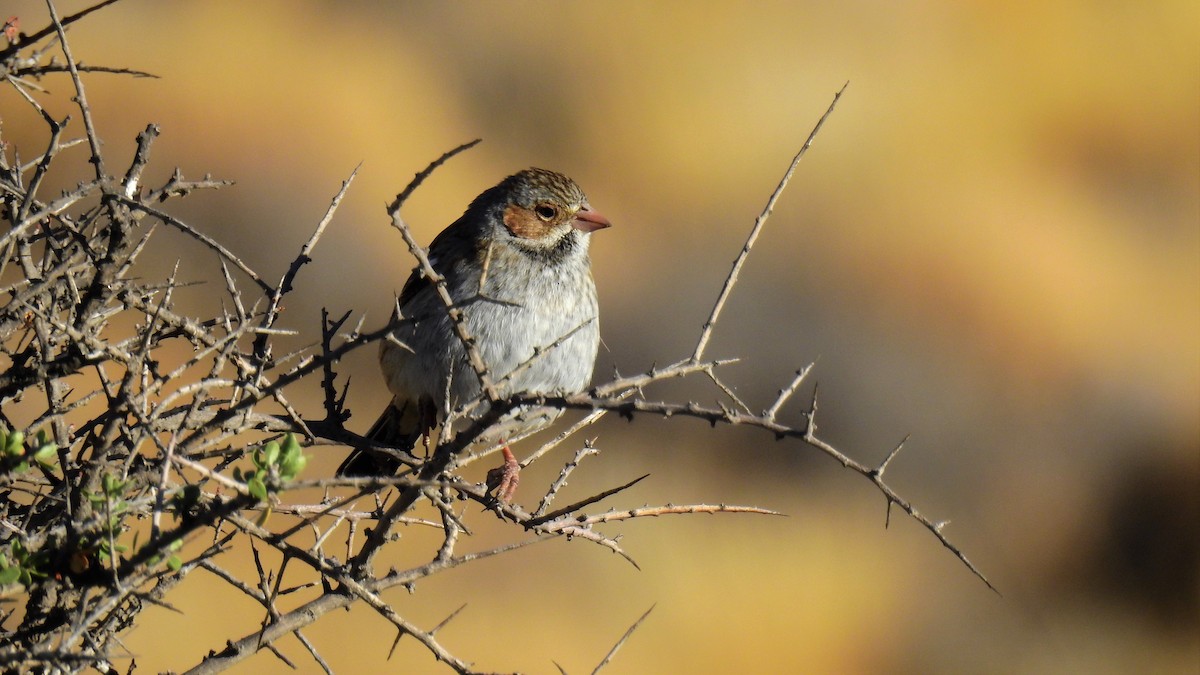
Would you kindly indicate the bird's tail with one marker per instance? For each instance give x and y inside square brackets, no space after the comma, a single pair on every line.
[399,427]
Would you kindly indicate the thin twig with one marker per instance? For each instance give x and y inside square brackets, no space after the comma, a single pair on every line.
[786,392]
[80,95]
[30,39]
[612,652]
[302,258]
[733,418]
[711,322]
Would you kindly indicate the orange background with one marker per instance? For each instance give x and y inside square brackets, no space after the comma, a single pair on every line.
[993,246]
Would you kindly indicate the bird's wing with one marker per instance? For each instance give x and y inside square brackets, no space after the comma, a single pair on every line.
[452,247]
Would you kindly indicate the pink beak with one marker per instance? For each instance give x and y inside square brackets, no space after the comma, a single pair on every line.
[587,220]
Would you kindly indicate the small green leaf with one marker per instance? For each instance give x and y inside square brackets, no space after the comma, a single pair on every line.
[262,518]
[271,450]
[112,486]
[14,444]
[174,562]
[290,444]
[46,454]
[9,575]
[292,464]
[257,488]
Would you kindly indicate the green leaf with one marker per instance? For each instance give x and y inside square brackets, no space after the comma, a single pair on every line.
[14,444]
[46,454]
[9,575]
[271,450]
[174,562]
[262,518]
[112,486]
[290,444]
[292,463]
[257,488]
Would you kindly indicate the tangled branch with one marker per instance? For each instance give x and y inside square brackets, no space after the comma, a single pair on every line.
[139,467]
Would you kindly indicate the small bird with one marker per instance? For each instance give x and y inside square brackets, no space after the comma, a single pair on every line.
[516,263]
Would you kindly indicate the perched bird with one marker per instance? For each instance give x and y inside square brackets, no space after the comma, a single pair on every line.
[516,263]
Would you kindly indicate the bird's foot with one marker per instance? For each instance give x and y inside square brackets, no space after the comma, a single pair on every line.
[502,481]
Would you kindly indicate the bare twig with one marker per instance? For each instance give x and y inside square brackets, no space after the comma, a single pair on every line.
[13,48]
[80,96]
[731,279]
[559,482]
[786,392]
[624,638]
[301,259]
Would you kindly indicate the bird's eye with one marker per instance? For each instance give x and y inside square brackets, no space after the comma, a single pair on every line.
[545,211]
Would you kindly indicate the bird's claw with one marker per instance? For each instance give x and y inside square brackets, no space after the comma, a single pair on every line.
[502,481]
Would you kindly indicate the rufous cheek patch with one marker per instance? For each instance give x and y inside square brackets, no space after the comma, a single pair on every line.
[524,223]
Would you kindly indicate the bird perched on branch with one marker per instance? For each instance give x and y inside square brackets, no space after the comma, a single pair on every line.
[516,265]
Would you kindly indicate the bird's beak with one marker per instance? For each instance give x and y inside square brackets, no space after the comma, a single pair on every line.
[587,220]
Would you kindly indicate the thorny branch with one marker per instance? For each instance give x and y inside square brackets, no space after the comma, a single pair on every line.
[126,430]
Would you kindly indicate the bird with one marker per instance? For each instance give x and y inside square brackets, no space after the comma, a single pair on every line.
[516,264]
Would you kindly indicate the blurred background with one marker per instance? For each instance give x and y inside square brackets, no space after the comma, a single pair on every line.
[993,246]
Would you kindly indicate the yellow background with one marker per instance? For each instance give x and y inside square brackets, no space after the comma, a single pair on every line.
[994,246]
